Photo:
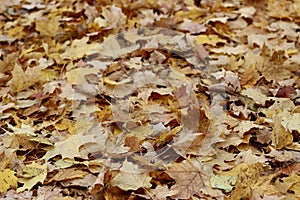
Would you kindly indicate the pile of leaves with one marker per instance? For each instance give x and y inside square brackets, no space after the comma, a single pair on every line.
[158,99]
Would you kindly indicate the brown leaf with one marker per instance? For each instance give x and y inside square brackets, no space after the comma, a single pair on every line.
[67,174]
[286,92]
[188,179]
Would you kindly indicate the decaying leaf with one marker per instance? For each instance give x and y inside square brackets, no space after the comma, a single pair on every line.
[149,99]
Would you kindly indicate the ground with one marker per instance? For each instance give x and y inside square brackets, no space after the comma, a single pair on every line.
[158,99]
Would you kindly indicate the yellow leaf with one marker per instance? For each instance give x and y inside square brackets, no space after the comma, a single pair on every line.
[256,95]
[251,178]
[166,136]
[64,124]
[77,76]
[7,180]
[49,75]
[16,32]
[141,132]
[80,48]
[32,174]
[193,13]
[285,184]
[112,82]
[209,39]
[47,27]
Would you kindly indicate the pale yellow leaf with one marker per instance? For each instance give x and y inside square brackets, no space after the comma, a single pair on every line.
[77,76]
[22,80]
[131,177]
[32,174]
[80,48]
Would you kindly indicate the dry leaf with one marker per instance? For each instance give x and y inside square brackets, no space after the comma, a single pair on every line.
[7,180]
[48,27]
[32,174]
[131,177]
[188,179]
[22,80]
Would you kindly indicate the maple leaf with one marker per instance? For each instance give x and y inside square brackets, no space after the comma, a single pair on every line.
[160,192]
[188,179]
[287,183]
[70,147]
[111,48]
[32,174]
[256,95]
[280,136]
[22,80]
[67,174]
[192,27]
[131,177]
[80,48]
[113,18]
[77,76]
[47,27]
[250,179]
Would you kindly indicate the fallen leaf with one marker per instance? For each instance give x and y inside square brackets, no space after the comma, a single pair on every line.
[69,147]
[222,182]
[7,180]
[131,177]
[188,179]
[160,192]
[80,48]
[22,80]
[192,27]
[32,174]
[47,27]
[209,39]
[78,76]
[67,174]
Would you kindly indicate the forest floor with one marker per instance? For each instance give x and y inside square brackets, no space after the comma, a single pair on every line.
[157,99]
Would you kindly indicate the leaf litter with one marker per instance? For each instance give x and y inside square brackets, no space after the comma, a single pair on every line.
[149,100]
